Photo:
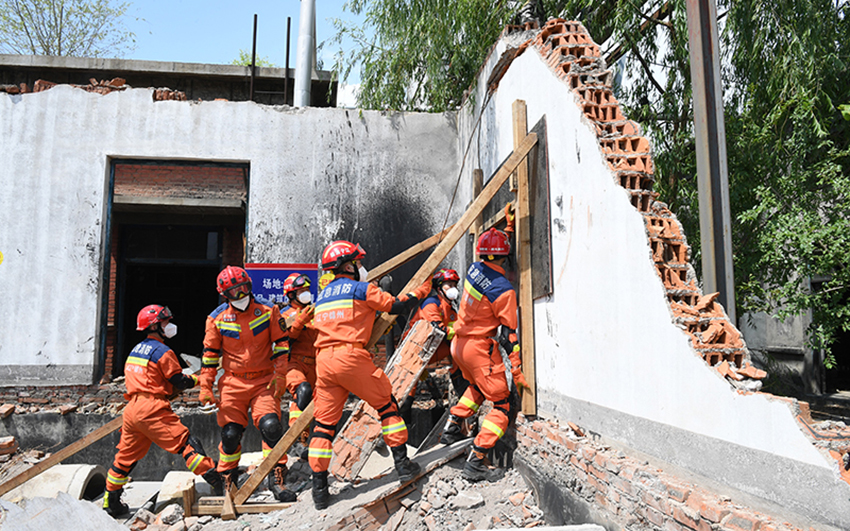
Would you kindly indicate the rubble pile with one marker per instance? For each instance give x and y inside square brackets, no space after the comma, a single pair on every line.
[101,87]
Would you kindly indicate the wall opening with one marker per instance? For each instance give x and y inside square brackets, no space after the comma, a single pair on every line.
[173,226]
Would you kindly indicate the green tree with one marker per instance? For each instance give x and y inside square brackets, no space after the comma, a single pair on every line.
[418,55]
[79,28]
[244,59]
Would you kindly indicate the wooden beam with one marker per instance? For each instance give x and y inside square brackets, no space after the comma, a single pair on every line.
[62,454]
[274,455]
[202,509]
[228,511]
[189,499]
[458,229]
[526,300]
[408,255]
[477,185]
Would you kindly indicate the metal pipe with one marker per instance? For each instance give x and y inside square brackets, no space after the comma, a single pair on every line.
[286,78]
[710,136]
[253,59]
[306,45]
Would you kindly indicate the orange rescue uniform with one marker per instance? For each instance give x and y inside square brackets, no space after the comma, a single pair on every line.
[344,317]
[302,358]
[488,301]
[148,417]
[250,345]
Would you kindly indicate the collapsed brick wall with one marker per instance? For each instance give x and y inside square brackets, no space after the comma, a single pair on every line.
[101,87]
[632,493]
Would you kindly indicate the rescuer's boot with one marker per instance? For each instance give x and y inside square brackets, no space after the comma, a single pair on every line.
[476,470]
[321,494]
[215,481]
[406,468]
[452,432]
[233,477]
[276,483]
[113,505]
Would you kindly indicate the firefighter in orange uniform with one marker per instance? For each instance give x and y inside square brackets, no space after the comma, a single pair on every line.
[301,371]
[152,373]
[344,317]
[488,301]
[245,336]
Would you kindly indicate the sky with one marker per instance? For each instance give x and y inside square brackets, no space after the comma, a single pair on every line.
[213,31]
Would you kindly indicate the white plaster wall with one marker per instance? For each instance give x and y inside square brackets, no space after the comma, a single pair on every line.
[315,174]
[606,336]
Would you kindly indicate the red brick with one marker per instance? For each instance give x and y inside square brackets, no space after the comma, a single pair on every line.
[621,484]
[6,410]
[578,463]
[677,492]
[598,485]
[571,444]
[588,453]
[655,517]
[690,518]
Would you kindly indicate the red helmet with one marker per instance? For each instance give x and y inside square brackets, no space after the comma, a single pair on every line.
[295,281]
[340,252]
[152,314]
[234,283]
[493,243]
[444,275]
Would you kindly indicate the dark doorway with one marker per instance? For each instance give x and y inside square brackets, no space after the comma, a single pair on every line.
[175,266]
[838,378]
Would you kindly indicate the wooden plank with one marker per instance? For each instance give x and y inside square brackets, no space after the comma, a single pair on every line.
[62,454]
[213,505]
[406,256]
[477,185]
[458,230]
[282,446]
[228,511]
[189,499]
[526,300]
[362,431]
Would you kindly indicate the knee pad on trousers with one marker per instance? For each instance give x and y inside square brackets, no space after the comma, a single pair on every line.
[270,429]
[303,395]
[196,445]
[231,436]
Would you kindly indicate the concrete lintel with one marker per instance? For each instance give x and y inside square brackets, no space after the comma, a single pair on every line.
[159,67]
[774,484]
[178,202]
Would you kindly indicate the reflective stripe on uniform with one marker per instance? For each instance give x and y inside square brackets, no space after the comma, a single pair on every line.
[488,425]
[335,305]
[134,360]
[116,480]
[469,288]
[260,323]
[195,462]
[280,349]
[229,458]
[393,428]
[320,453]
[266,452]
[469,403]
[294,414]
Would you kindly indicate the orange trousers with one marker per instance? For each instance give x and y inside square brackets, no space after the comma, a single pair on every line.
[300,369]
[482,366]
[339,370]
[150,420]
[237,396]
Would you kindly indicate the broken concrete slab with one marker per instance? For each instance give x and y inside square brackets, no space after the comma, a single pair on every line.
[38,514]
[172,487]
[79,481]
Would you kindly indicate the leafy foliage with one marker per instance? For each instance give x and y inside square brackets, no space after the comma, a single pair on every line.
[418,54]
[244,59]
[79,28]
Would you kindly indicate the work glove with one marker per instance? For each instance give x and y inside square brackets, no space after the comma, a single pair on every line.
[278,384]
[422,291]
[519,379]
[195,380]
[303,318]
[207,379]
[510,218]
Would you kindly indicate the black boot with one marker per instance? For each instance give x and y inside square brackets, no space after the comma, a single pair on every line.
[276,483]
[113,505]
[321,495]
[476,470]
[452,432]
[215,481]
[406,468]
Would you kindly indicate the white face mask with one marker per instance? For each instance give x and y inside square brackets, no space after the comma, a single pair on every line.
[305,297]
[451,293]
[364,274]
[241,304]
[169,330]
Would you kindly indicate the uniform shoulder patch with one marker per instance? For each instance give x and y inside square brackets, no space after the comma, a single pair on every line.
[215,313]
